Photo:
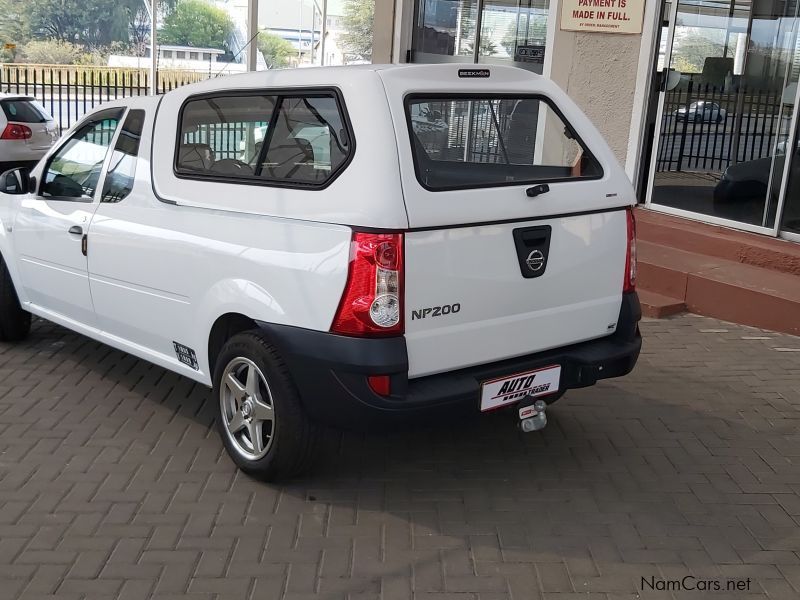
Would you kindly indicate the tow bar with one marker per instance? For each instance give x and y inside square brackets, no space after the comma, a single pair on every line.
[532,415]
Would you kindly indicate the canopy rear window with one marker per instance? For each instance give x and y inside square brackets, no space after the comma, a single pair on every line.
[485,141]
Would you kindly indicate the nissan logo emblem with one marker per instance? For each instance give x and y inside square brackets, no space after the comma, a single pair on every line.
[535,260]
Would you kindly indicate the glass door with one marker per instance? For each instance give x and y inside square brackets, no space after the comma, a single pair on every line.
[790,225]
[723,120]
[481,31]
[513,32]
[445,31]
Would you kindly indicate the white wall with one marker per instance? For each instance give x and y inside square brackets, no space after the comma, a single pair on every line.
[607,75]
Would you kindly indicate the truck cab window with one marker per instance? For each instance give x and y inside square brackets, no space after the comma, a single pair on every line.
[73,172]
[122,170]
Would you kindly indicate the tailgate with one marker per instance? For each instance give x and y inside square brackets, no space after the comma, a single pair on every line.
[516,208]
[469,301]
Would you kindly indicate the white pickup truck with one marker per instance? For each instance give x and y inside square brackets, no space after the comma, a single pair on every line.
[335,245]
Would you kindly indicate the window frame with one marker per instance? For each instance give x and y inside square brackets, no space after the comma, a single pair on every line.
[432,96]
[107,171]
[279,94]
[92,118]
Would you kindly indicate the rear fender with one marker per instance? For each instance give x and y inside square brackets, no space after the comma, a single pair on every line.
[233,296]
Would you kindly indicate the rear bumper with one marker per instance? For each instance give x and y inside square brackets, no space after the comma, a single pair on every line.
[331,371]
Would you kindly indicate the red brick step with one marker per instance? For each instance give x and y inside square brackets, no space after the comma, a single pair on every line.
[659,306]
[671,277]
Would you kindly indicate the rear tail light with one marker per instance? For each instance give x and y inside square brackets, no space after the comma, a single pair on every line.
[630,258]
[372,303]
[15,131]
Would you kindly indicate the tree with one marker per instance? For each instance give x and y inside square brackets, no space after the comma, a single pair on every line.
[357,22]
[14,27]
[197,23]
[138,21]
[487,47]
[276,50]
[691,50]
[91,23]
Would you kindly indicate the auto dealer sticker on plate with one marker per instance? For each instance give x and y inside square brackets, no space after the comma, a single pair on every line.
[507,390]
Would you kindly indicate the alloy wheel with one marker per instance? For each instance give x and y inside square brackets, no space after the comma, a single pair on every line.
[247,408]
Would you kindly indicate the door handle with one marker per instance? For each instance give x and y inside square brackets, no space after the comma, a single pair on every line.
[537,190]
[76,230]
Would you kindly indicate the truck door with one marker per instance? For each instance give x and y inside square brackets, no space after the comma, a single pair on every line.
[52,223]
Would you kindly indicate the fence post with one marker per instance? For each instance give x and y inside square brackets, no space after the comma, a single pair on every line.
[685,126]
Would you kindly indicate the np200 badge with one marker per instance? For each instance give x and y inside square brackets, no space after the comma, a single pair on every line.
[435,311]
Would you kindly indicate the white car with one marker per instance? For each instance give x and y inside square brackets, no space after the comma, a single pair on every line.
[27,131]
[702,111]
[372,280]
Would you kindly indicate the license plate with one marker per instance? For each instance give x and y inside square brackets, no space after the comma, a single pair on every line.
[511,389]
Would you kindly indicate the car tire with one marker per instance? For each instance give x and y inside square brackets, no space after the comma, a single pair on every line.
[260,417]
[15,323]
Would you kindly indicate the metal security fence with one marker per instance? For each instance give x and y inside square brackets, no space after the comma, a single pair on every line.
[464,130]
[735,127]
[68,92]
[226,140]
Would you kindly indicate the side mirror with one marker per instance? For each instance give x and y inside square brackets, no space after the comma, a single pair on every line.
[15,181]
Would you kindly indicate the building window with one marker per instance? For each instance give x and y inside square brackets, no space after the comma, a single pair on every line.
[206,55]
[193,56]
[166,53]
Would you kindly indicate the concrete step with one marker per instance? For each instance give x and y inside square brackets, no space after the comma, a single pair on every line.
[659,306]
[719,242]
[721,288]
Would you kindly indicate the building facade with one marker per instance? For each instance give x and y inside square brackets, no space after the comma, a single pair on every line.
[699,100]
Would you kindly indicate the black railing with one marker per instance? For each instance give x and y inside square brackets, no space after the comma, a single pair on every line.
[228,140]
[705,128]
[70,92]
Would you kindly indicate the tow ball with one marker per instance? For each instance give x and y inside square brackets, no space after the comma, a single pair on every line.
[532,415]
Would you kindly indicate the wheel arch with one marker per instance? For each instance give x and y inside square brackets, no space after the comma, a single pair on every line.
[223,329]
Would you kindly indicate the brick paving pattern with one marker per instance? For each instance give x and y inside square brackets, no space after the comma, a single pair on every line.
[113,484]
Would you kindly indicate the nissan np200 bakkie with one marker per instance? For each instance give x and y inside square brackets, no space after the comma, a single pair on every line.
[335,244]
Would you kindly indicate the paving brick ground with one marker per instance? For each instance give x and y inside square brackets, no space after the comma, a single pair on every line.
[113,484]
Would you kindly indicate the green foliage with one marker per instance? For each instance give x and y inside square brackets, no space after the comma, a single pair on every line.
[59,52]
[14,27]
[196,23]
[357,22]
[138,21]
[51,52]
[691,50]
[99,56]
[91,23]
[488,47]
[277,51]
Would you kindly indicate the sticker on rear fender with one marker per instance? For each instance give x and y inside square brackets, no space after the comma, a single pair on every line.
[511,389]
